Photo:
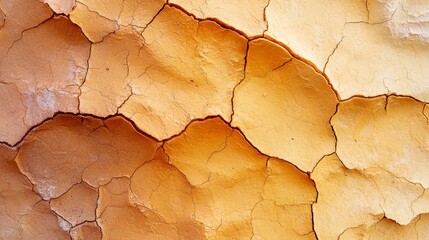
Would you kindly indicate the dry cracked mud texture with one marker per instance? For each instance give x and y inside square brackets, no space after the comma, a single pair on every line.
[191,119]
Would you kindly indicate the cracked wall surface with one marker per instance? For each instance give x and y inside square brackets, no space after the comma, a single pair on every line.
[189,119]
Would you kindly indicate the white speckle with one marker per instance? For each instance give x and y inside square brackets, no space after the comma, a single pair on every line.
[64,225]
[46,101]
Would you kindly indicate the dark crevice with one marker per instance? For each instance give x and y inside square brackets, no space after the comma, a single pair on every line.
[332,53]
[265,18]
[244,77]
[29,29]
[135,127]
[424,110]
[226,26]
[304,60]
[381,95]
[85,78]
[156,15]
[216,20]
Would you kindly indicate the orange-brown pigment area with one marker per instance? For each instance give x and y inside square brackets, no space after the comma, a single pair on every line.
[90,175]
[177,120]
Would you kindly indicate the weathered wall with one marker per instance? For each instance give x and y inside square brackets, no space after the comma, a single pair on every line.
[192,119]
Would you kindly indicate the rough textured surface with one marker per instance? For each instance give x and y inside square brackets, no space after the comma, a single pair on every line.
[298,100]
[115,175]
[99,18]
[145,212]
[350,199]
[371,134]
[68,149]
[86,231]
[15,18]
[386,41]
[22,214]
[234,183]
[317,36]
[94,26]
[403,70]
[52,65]
[267,119]
[136,13]
[407,20]
[387,229]
[61,6]
[115,210]
[250,18]
[384,160]
[204,63]
[77,205]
